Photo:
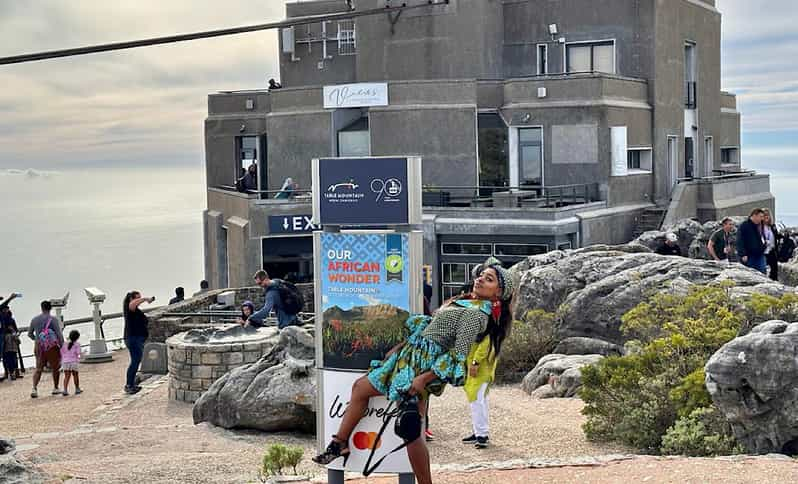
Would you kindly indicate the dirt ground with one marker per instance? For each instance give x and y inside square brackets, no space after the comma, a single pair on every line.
[105,436]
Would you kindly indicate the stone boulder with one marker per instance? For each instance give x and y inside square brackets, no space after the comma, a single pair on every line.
[592,288]
[686,230]
[753,380]
[276,393]
[12,470]
[588,346]
[698,247]
[557,375]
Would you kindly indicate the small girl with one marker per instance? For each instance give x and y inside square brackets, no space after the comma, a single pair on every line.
[481,372]
[70,355]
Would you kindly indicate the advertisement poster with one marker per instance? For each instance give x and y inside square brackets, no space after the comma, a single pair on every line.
[365,297]
[363,192]
[364,436]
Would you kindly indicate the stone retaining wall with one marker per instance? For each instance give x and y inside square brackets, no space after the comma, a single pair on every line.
[194,367]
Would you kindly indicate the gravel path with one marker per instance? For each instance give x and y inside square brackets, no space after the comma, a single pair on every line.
[104,436]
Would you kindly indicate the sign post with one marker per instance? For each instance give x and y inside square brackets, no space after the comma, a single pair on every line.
[368,267]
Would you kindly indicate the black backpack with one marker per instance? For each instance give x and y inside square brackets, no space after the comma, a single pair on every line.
[291,300]
[786,249]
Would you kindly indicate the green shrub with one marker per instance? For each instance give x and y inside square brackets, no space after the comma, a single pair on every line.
[279,456]
[704,432]
[531,338]
[635,399]
[759,308]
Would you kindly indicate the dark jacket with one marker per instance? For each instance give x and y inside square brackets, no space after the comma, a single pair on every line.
[749,240]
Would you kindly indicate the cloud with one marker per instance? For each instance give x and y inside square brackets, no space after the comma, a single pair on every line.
[143,105]
[370,300]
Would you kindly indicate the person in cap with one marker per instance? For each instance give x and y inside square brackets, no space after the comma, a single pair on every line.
[435,354]
[670,246]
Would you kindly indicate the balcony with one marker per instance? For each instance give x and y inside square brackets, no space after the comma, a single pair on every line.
[690,94]
[526,196]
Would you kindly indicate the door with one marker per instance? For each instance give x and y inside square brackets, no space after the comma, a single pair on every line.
[673,161]
[689,157]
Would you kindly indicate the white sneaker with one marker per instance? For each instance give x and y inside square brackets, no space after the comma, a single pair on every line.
[34,393]
[56,391]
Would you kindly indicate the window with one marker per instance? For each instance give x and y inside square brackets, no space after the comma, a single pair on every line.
[690,85]
[729,156]
[247,153]
[590,57]
[355,139]
[347,38]
[543,59]
[709,155]
[520,250]
[466,249]
[454,273]
[494,164]
[638,159]
[530,156]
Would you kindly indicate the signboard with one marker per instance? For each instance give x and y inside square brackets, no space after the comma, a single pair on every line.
[291,224]
[379,191]
[366,289]
[356,95]
[364,436]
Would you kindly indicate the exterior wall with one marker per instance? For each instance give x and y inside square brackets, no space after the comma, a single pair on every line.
[677,21]
[737,196]
[729,122]
[629,23]
[295,139]
[629,189]
[610,226]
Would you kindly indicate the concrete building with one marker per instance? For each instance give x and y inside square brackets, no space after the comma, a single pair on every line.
[542,125]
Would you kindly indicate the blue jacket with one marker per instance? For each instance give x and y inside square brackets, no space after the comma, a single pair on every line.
[272,302]
[749,240]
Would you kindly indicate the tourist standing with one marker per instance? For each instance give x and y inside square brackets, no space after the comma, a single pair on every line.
[481,372]
[670,246]
[204,287]
[274,300]
[770,233]
[9,334]
[180,296]
[45,331]
[70,358]
[719,245]
[136,333]
[750,242]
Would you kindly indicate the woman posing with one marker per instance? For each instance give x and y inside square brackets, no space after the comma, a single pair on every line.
[433,355]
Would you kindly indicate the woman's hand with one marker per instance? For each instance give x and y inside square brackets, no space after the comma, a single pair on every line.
[472,370]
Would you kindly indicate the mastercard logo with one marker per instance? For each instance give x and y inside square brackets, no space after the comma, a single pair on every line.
[365,440]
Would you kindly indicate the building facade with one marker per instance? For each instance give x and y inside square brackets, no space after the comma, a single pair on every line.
[542,125]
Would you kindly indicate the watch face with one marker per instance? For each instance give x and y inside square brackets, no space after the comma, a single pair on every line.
[394,264]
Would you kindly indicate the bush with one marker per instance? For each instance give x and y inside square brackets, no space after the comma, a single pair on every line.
[277,457]
[635,399]
[531,338]
[704,432]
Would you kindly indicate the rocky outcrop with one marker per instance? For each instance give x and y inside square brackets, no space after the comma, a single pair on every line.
[587,346]
[276,393]
[693,236]
[592,288]
[753,380]
[557,375]
[12,470]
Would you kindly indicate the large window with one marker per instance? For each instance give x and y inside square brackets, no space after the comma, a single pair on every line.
[347,38]
[530,156]
[590,57]
[354,140]
[638,159]
[493,151]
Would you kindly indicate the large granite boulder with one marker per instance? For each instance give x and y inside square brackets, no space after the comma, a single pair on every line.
[698,247]
[588,346]
[593,287]
[686,230]
[753,380]
[276,393]
[557,376]
[12,470]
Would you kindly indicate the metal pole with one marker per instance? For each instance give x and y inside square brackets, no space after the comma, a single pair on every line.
[98,349]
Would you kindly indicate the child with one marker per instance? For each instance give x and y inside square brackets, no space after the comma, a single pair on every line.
[70,355]
[481,371]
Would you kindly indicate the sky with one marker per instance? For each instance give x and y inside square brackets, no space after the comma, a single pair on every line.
[147,105]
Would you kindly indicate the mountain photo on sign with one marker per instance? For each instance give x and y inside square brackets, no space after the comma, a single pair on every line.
[355,337]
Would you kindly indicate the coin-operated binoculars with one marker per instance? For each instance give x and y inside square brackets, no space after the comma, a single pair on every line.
[98,349]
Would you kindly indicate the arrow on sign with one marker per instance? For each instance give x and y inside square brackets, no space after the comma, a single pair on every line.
[285,223]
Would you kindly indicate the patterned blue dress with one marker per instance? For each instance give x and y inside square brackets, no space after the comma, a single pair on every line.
[439,343]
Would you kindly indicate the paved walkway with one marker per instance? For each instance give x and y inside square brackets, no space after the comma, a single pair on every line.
[105,436]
